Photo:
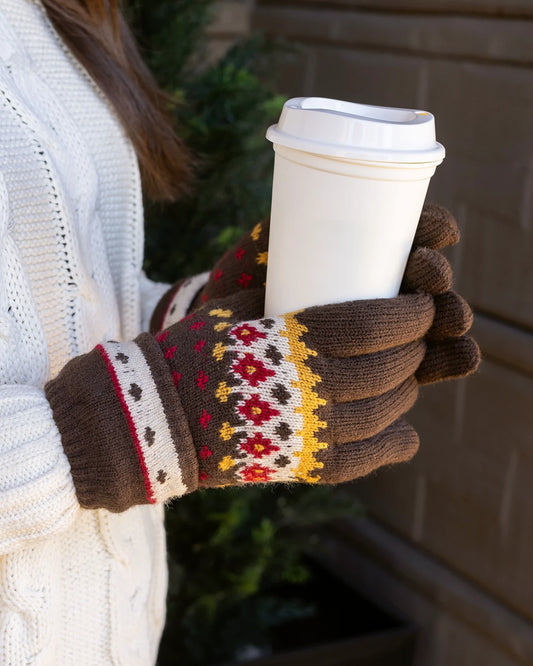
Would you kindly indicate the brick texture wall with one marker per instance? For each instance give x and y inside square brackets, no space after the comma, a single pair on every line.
[466,501]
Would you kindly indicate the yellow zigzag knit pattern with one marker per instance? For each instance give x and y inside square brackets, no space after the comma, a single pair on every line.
[306,382]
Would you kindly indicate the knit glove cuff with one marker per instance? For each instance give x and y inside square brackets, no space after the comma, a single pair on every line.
[176,302]
[123,427]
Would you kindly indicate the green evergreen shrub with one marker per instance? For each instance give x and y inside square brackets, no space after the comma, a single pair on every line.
[222,112]
[237,560]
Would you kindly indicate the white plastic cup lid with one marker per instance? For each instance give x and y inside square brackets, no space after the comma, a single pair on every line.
[357,131]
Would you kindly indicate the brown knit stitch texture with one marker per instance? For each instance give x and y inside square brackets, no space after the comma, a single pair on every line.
[95,435]
[437,228]
[450,353]
[106,462]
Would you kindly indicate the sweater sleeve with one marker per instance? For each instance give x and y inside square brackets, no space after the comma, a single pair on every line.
[151,293]
[37,495]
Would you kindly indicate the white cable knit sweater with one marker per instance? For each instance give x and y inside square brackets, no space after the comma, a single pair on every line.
[77,587]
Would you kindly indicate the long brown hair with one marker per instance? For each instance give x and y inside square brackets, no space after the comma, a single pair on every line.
[98,35]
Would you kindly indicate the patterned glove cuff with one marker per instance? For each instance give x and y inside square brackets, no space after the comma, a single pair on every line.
[175,303]
[123,427]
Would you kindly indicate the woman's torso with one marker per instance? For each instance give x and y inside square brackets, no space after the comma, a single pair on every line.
[71,253]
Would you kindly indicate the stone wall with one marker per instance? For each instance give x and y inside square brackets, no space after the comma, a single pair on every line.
[461,514]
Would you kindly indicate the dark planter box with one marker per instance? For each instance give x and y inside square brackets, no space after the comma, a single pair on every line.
[347,630]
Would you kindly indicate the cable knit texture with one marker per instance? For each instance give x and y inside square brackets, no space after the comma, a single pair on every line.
[76,586]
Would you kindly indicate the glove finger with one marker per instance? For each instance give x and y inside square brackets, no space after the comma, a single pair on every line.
[453,317]
[243,266]
[360,419]
[437,228]
[397,443]
[363,327]
[427,271]
[368,375]
[449,359]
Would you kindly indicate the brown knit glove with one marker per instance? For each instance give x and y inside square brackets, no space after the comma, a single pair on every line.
[450,352]
[242,267]
[314,396]
[228,397]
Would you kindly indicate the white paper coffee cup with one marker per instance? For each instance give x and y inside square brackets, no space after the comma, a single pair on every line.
[349,185]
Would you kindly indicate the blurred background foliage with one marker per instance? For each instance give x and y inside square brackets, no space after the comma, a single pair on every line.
[238,568]
[234,554]
[222,111]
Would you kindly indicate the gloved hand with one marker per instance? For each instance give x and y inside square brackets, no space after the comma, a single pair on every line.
[241,268]
[218,399]
[227,397]
[450,353]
